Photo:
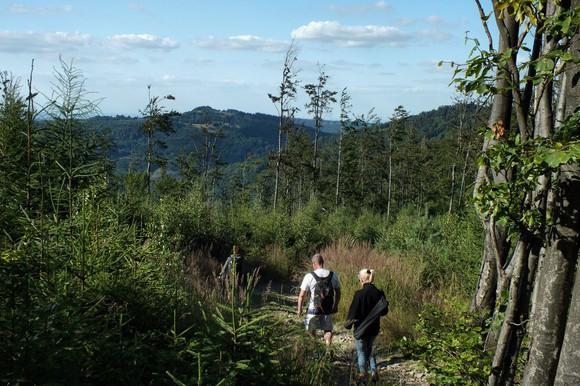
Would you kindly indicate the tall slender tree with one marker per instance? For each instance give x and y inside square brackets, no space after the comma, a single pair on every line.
[320,102]
[496,246]
[345,107]
[394,128]
[283,102]
[157,119]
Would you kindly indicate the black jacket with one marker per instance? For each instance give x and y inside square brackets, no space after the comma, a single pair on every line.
[362,303]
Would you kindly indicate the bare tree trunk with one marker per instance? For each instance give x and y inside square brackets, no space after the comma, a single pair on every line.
[315,163]
[568,371]
[507,342]
[338,170]
[300,184]
[484,298]
[458,151]
[287,93]
[390,178]
[555,279]
[29,122]
[557,268]
[149,158]
[463,175]
[279,154]
[452,188]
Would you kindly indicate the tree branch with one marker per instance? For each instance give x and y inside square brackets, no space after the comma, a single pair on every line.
[484,22]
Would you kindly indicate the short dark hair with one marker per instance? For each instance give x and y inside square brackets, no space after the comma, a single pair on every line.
[318,259]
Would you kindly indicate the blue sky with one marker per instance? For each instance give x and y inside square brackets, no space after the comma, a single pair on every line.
[228,54]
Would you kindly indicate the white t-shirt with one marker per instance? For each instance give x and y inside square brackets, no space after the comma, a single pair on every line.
[309,281]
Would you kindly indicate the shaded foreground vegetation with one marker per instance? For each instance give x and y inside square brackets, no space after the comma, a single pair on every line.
[117,303]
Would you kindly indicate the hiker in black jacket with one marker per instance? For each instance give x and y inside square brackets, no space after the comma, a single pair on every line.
[368,304]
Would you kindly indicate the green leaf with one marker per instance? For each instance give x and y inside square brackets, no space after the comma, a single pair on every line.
[556,158]
[566,24]
[545,65]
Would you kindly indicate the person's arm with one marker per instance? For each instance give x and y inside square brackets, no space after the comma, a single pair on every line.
[336,300]
[300,301]
[352,316]
[386,310]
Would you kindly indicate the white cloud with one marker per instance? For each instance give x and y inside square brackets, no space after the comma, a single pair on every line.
[39,9]
[28,41]
[412,90]
[434,35]
[136,7]
[108,59]
[407,21]
[199,62]
[434,19]
[361,8]
[146,41]
[242,42]
[342,64]
[351,36]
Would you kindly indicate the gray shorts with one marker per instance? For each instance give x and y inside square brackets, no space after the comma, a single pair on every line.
[318,322]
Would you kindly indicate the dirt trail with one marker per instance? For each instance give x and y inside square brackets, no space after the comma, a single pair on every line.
[394,369]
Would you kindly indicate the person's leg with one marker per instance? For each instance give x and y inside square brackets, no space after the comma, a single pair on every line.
[371,356]
[360,356]
[310,323]
[326,325]
[328,337]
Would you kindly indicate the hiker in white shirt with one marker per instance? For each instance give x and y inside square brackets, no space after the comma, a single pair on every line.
[324,289]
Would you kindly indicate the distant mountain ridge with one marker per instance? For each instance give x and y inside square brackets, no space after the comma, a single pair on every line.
[244,133]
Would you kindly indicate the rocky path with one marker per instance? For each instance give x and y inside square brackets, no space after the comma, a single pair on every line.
[394,369]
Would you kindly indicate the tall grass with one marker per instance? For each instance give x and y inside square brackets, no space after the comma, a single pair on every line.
[399,277]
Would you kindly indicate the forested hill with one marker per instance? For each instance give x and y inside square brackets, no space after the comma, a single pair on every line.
[435,123]
[236,134]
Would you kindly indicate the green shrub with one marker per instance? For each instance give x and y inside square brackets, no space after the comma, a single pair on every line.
[449,246]
[367,226]
[451,345]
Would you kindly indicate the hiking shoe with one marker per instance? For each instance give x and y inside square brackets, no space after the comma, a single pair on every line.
[361,379]
[374,377]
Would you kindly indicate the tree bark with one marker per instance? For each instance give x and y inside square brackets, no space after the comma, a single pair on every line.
[338,169]
[390,177]
[568,371]
[552,316]
[463,175]
[555,279]
[484,298]
[278,154]
[507,344]
[452,188]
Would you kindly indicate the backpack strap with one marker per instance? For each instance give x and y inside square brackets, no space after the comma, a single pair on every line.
[318,278]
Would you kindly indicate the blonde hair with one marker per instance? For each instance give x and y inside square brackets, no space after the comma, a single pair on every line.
[366,275]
